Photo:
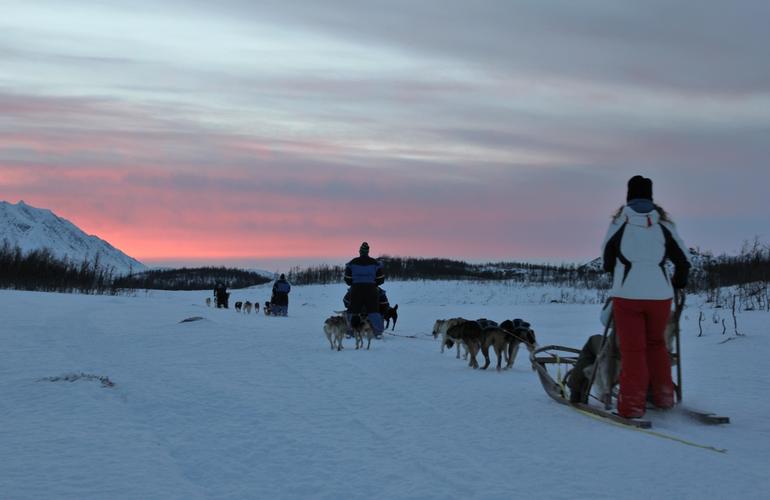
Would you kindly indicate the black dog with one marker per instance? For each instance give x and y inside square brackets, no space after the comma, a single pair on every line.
[266,309]
[390,314]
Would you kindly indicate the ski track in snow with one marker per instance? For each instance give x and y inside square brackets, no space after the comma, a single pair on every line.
[242,406]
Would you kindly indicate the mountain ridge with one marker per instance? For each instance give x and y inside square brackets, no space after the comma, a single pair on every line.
[31,228]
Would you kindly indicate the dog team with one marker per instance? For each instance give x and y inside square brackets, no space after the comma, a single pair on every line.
[481,334]
[246,307]
[472,336]
[368,313]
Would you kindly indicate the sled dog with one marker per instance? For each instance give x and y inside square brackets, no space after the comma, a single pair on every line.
[256,307]
[266,309]
[362,327]
[440,328]
[486,323]
[519,333]
[208,301]
[247,307]
[238,306]
[468,333]
[335,328]
[500,341]
[391,314]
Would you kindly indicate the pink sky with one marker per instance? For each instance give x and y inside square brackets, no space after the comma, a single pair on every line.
[290,132]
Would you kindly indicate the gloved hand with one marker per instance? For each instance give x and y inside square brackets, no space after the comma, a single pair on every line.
[679,280]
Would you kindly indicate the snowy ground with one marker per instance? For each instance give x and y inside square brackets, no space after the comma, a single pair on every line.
[237,406]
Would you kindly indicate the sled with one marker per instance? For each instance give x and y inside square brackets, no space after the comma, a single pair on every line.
[555,363]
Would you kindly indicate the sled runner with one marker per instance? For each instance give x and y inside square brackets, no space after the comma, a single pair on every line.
[555,365]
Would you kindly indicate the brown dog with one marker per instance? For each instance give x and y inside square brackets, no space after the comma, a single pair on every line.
[468,333]
[520,333]
[362,328]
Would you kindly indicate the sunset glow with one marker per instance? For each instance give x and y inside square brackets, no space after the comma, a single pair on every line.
[274,132]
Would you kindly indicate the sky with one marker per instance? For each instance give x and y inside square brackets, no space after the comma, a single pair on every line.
[275,133]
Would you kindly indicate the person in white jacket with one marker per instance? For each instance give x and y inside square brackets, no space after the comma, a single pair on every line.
[640,239]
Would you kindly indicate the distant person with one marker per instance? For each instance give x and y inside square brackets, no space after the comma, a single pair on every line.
[639,240]
[364,275]
[279,302]
[220,295]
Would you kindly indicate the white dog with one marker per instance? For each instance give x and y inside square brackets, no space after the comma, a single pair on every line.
[247,307]
[441,327]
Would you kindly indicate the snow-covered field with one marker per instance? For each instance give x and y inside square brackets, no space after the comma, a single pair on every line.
[236,406]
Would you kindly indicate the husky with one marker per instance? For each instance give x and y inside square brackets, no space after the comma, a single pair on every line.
[440,328]
[208,301]
[486,323]
[500,341]
[362,327]
[391,314]
[519,333]
[256,307]
[247,307]
[468,333]
[335,328]
[266,309]
[238,306]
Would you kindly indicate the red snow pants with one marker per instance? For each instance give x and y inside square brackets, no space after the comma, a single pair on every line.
[645,363]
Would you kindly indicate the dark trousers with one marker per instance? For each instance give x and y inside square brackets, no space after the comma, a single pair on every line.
[366,298]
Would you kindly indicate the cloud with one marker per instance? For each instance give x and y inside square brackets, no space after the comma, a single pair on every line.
[487,130]
[683,46]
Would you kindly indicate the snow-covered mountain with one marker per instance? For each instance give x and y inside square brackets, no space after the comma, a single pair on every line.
[32,228]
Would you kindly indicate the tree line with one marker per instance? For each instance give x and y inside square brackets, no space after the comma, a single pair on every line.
[416,268]
[41,270]
[748,274]
[198,278]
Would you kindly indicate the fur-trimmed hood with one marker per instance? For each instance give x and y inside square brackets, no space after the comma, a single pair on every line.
[635,218]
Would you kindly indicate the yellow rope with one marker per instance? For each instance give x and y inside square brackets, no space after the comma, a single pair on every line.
[652,433]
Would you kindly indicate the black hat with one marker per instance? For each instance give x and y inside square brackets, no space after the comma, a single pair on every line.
[639,188]
[283,276]
[364,250]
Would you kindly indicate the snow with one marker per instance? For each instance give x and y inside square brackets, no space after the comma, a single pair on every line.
[32,228]
[241,406]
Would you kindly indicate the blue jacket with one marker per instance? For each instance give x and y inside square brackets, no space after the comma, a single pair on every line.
[364,270]
[281,286]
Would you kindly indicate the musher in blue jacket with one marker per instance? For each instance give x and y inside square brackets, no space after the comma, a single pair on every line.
[279,303]
[364,274]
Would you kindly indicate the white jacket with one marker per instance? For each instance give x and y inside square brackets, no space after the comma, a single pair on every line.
[635,249]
